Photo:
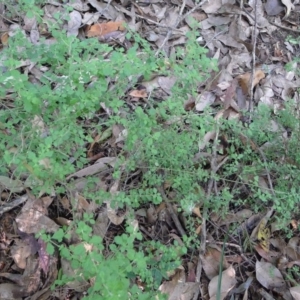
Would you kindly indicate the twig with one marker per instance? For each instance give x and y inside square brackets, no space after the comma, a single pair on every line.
[253,60]
[171,30]
[204,213]
[171,211]
[284,28]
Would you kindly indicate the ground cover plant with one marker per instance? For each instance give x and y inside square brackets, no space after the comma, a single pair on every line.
[143,160]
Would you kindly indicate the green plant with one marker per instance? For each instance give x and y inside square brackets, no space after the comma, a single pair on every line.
[46,125]
[112,276]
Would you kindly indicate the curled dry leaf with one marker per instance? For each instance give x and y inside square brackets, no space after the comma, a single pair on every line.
[102,164]
[245,80]
[211,262]
[139,93]
[228,282]
[289,7]
[105,28]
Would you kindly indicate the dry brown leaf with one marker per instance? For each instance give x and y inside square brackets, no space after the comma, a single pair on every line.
[139,93]
[166,83]
[273,7]
[289,6]
[105,28]
[13,185]
[99,166]
[268,275]
[239,217]
[178,288]
[270,256]
[278,243]
[74,23]
[205,99]
[211,262]
[20,251]
[229,94]
[295,291]
[90,18]
[79,5]
[4,38]
[208,136]
[210,7]
[244,80]
[32,221]
[152,215]
[11,291]
[101,225]
[228,282]
[108,11]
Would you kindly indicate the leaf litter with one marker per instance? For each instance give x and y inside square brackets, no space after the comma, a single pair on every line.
[225,29]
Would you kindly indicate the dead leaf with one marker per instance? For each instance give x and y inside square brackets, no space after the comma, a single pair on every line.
[289,7]
[210,7]
[166,83]
[262,232]
[229,94]
[19,252]
[139,93]
[90,18]
[245,80]
[101,165]
[295,291]
[10,291]
[4,38]
[228,282]
[13,185]
[79,5]
[178,288]
[105,28]
[238,217]
[273,7]
[74,23]
[270,256]
[205,99]
[101,224]
[211,262]
[268,275]
[152,215]
[108,11]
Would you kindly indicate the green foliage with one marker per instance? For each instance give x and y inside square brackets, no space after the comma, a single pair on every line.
[114,275]
[44,138]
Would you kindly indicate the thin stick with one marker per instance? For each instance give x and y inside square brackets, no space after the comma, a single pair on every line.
[171,210]
[204,214]
[253,60]
[285,28]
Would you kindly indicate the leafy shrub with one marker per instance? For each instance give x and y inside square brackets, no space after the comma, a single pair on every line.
[44,140]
